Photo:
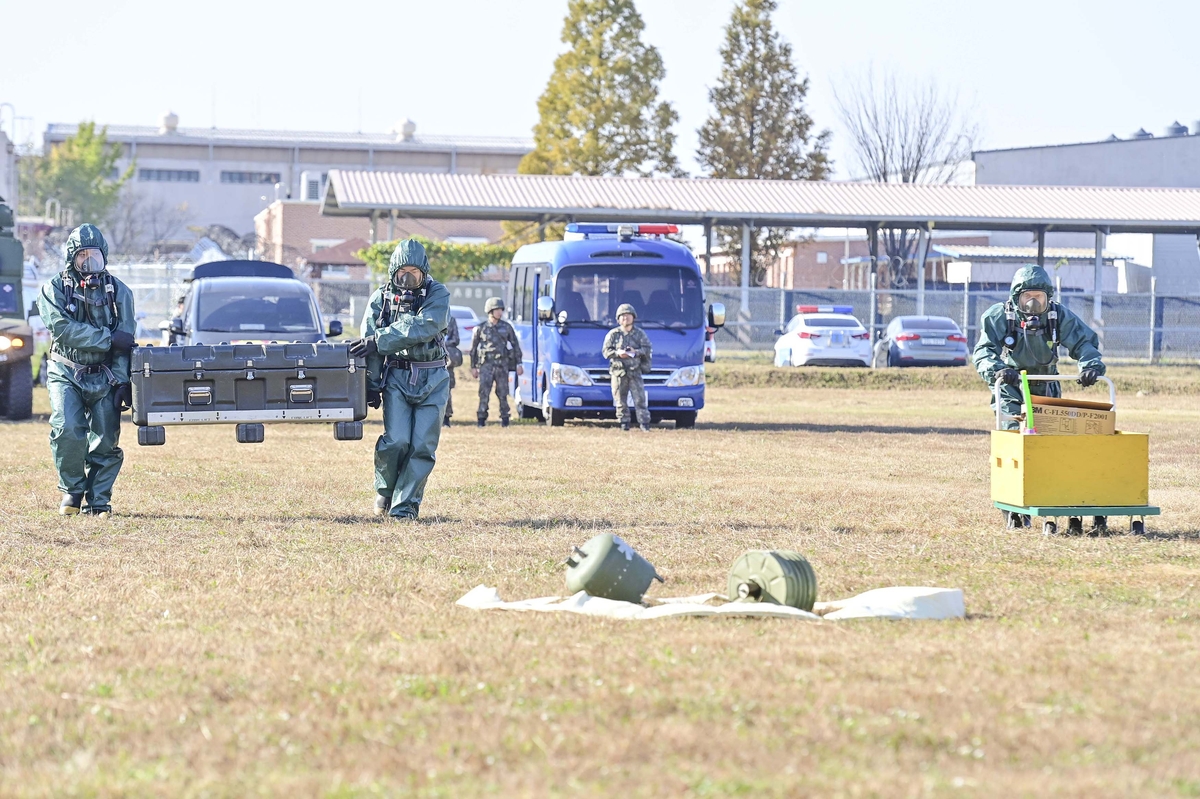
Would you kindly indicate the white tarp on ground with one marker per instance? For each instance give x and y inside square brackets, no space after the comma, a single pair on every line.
[902,602]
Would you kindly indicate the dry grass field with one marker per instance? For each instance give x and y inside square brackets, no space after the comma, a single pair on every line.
[245,626]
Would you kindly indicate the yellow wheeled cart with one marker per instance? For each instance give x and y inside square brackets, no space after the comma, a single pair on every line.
[1071,476]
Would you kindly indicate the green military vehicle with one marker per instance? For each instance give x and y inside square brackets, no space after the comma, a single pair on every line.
[16,337]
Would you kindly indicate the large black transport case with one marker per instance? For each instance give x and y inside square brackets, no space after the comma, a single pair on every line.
[248,385]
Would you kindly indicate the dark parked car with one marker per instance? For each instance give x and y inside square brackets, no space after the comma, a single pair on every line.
[921,341]
[249,302]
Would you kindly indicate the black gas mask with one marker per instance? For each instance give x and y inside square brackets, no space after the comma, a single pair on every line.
[405,283]
[89,264]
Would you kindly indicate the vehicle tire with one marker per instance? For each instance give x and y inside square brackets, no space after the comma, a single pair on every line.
[892,361]
[1049,528]
[18,391]
[685,421]
[557,418]
[1137,527]
[540,413]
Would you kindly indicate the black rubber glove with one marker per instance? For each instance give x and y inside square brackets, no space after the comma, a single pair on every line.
[122,397]
[122,341]
[363,348]
[374,398]
[1088,377]
[1008,376]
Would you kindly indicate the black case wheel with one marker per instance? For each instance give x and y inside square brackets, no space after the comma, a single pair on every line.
[1137,527]
[251,433]
[152,436]
[348,431]
[1049,528]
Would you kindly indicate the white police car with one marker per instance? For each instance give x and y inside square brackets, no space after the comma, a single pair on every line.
[823,335]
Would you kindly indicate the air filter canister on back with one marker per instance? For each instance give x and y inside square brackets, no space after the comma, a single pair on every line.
[778,576]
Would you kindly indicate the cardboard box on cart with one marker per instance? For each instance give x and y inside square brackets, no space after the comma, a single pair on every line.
[1057,416]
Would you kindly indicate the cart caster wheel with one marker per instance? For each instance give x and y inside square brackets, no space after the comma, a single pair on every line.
[1137,527]
[1075,526]
[1049,528]
[1013,521]
[1099,527]
[1026,521]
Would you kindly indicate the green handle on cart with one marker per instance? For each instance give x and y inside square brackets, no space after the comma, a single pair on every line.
[1029,428]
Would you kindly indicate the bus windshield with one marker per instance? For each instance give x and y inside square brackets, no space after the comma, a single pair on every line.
[668,296]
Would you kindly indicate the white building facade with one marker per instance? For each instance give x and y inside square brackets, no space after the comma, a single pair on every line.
[226,177]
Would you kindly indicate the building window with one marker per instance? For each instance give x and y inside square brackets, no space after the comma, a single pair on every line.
[250,177]
[822,257]
[170,175]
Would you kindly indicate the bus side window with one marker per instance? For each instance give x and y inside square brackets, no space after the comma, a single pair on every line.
[518,290]
[527,296]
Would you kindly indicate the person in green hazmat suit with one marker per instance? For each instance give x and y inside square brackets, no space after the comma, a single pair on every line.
[89,314]
[1024,333]
[403,340]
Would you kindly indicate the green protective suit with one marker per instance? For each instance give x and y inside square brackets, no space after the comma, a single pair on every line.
[1032,350]
[414,400]
[85,425]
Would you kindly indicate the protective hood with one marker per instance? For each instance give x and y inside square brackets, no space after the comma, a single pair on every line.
[408,252]
[86,235]
[1031,276]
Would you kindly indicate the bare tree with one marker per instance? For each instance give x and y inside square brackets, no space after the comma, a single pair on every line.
[139,226]
[905,132]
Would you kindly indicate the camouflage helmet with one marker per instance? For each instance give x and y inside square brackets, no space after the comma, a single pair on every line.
[625,308]
[83,237]
[492,304]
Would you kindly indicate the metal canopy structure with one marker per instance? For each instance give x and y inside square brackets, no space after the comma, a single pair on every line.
[762,203]
[771,203]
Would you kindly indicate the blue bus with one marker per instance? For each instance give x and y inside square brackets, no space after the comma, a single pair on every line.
[562,300]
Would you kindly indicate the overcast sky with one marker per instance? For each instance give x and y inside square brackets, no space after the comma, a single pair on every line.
[1044,72]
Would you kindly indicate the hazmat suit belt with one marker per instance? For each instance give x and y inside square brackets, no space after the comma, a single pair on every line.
[82,368]
[399,363]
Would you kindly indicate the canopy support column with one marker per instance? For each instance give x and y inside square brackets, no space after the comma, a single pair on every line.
[392,225]
[922,253]
[1098,288]
[1041,244]
[744,309]
[708,250]
[374,223]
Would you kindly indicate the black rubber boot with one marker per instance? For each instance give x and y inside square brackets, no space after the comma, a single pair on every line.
[645,428]
[445,421]
[70,504]
[481,422]
[382,504]
[625,426]
[504,421]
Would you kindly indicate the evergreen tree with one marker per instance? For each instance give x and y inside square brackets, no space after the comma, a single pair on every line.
[759,128]
[81,173]
[600,113]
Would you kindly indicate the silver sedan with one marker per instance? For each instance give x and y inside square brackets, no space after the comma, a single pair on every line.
[921,341]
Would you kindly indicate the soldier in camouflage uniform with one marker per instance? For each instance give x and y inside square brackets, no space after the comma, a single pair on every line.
[628,351]
[453,359]
[495,352]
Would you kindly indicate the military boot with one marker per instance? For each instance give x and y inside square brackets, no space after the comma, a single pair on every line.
[645,427]
[70,504]
[98,513]
[504,421]
[382,504]
[625,426]
[482,422]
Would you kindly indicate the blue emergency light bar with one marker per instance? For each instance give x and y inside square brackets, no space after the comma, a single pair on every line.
[845,309]
[614,228]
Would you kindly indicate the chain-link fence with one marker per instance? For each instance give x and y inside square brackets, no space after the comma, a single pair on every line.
[1144,327]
